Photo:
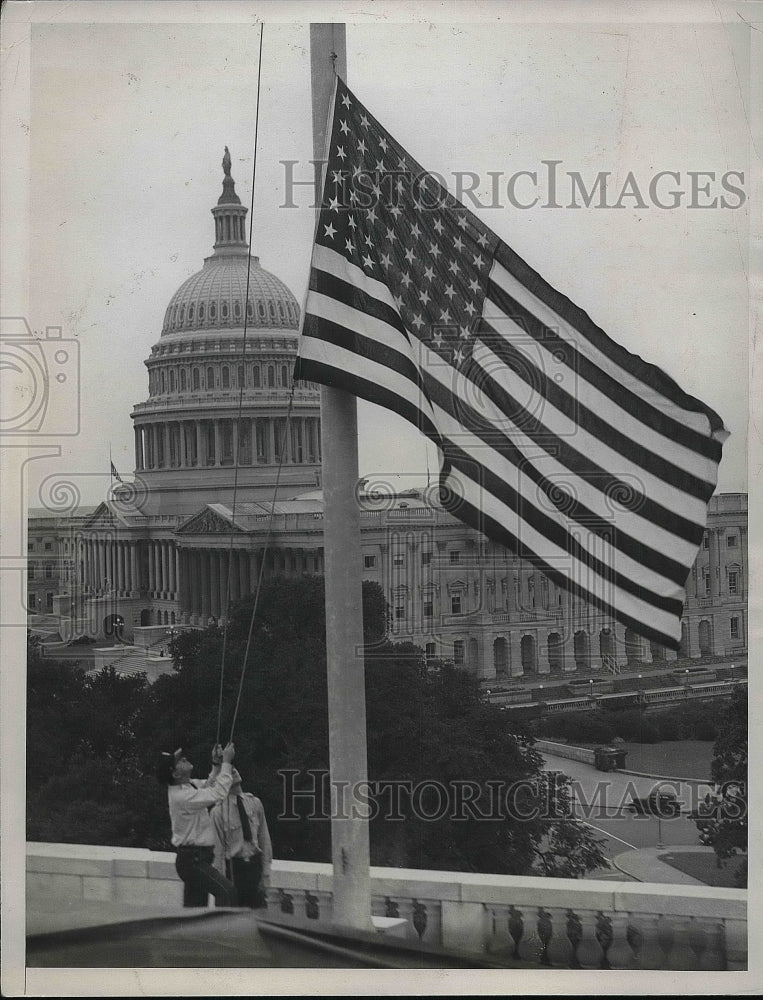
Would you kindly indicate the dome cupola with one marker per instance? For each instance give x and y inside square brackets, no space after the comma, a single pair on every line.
[215,298]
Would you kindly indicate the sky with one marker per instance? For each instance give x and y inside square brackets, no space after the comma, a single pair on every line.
[127,124]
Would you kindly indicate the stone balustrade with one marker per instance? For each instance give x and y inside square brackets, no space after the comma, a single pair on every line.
[501,919]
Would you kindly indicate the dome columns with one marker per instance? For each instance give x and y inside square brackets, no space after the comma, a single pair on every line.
[215,442]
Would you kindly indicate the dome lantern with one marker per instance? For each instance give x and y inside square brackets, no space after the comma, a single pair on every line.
[230,215]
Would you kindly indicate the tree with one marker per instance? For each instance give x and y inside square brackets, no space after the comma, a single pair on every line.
[431,738]
[726,829]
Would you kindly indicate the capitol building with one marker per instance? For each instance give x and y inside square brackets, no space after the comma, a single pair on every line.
[195,525]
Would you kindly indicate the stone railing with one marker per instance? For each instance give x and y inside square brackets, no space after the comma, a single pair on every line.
[500,919]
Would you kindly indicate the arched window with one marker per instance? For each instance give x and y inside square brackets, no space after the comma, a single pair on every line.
[224,310]
[201,311]
[181,315]
[196,379]
[261,310]
[210,377]
[240,376]
[212,310]
[172,380]
[272,309]
[249,310]
[226,377]
[182,379]
[161,381]
[237,309]
[271,377]
[284,376]
[190,313]
[256,376]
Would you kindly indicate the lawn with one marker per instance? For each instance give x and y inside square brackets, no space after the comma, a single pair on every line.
[704,866]
[679,759]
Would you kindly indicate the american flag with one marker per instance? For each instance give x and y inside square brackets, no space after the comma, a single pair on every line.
[554,441]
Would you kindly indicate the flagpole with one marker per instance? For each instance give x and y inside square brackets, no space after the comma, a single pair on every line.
[350,852]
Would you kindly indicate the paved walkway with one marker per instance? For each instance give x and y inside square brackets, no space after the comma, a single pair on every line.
[645,866]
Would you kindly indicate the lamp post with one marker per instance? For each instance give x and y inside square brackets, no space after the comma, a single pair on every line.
[732,673]
[686,685]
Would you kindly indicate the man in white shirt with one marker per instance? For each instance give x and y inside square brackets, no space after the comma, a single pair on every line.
[243,849]
[193,835]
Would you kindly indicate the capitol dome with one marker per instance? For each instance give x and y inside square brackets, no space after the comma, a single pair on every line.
[213,298]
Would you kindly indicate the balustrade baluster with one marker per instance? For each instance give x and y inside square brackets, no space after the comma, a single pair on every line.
[574,936]
[516,929]
[419,918]
[286,902]
[665,939]
[545,933]
[605,938]
[312,909]
[391,907]
[635,938]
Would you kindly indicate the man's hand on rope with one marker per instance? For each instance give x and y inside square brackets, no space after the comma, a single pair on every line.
[229,753]
[217,754]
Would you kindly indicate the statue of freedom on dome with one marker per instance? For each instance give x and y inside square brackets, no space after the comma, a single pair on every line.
[226,162]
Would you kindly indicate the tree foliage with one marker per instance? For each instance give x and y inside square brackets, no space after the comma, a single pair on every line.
[470,795]
[726,828]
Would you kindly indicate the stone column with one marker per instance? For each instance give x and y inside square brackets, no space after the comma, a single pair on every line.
[179,581]
[254,572]
[134,581]
[234,440]
[223,584]
[182,456]
[243,571]
[544,666]
[165,587]
[138,449]
[218,443]
[714,564]
[595,651]
[214,583]
[199,444]
[271,441]
[205,577]
[151,567]
[235,575]
[515,653]
[568,647]
[158,568]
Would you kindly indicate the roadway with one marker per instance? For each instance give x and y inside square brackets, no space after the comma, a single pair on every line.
[600,798]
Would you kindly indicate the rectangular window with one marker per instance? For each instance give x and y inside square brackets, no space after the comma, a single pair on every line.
[426,558]
[369,562]
[48,572]
[455,604]
[455,557]
[705,542]
[731,541]
[428,609]
[733,583]
[48,546]
[707,583]
[399,611]
[734,628]
[398,559]
[458,653]
[429,650]
[49,601]
[30,571]
[32,602]
[30,546]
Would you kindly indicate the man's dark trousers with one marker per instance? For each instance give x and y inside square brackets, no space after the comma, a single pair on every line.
[247,877]
[200,877]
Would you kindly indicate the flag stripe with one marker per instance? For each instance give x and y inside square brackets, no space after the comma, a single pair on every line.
[590,582]
[669,560]
[660,500]
[596,402]
[495,528]
[652,386]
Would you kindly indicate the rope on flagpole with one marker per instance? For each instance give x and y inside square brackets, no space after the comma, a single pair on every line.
[240,389]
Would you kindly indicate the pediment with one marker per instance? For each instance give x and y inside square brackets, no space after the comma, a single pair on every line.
[102,518]
[208,522]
